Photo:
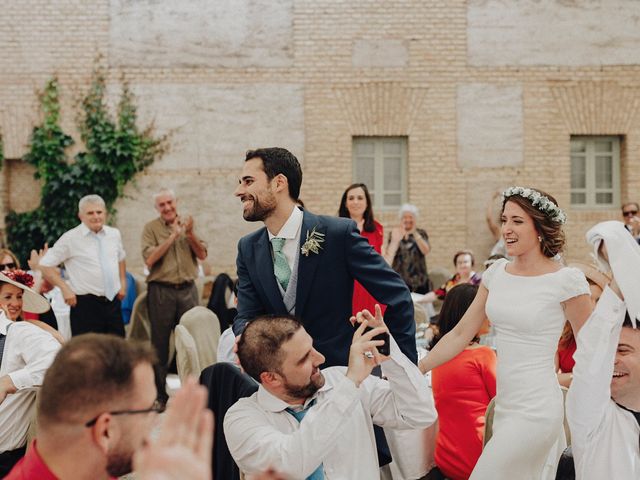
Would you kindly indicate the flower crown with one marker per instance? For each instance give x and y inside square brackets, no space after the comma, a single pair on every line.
[20,276]
[539,201]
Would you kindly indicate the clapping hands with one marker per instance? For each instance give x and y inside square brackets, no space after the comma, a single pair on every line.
[183,447]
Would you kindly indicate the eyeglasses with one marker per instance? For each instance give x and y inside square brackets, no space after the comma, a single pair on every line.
[630,213]
[12,265]
[157,407]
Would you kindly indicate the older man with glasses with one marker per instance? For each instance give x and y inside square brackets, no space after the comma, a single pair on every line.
[631,219]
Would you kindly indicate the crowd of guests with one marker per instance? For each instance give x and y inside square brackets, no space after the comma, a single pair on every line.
[323,327]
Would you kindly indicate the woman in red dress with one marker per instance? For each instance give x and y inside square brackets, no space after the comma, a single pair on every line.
[356,205]
[462,389]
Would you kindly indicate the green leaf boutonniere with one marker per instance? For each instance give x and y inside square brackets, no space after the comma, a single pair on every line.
[313,242]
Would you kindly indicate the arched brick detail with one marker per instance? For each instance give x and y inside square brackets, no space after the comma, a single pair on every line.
[602,108]
[382,108]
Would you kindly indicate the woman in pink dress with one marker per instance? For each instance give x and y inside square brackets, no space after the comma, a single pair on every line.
[356,205]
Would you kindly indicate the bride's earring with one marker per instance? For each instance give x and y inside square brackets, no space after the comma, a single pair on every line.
[539,238]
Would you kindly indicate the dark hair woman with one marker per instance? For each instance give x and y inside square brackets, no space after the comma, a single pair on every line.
[462,389]
[356,205]
[528,301]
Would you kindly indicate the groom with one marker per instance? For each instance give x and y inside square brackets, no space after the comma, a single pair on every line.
[305,264]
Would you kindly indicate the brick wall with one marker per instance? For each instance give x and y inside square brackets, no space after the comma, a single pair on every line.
[480,113]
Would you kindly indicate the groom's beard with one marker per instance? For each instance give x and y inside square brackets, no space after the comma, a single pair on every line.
[260,210]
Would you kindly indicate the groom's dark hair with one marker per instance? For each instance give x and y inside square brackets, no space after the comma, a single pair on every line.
[276,161]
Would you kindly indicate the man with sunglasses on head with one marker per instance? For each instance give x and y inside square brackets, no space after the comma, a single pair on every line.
[631,219]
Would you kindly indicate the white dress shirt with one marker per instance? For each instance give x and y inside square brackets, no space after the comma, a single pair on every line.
[78,250]
[28,352]
[290,231]
[604,437]
[226,343]
[337,432]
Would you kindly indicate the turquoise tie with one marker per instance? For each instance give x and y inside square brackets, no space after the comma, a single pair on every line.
[318,474]
[280,265]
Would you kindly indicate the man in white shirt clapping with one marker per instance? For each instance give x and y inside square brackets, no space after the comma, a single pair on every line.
[272,428]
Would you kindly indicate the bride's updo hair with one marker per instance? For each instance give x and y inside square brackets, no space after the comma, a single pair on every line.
[550,230]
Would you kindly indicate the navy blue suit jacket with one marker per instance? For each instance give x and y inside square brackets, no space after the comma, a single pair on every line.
[325,287]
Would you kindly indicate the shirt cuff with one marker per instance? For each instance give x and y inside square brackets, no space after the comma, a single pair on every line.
[344,394]
[608,302]
[399,364]
[21,379]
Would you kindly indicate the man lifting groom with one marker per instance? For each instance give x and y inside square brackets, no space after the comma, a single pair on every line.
[304,264]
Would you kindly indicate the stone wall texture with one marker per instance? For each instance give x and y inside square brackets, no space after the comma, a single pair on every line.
[487,92]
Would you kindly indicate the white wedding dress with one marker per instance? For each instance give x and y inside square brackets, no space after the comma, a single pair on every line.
[528,318]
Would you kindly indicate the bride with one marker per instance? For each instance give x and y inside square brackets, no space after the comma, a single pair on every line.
[527,301]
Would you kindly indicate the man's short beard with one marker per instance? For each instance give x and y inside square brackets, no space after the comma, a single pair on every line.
[259,211]
[119,463]
[304,391]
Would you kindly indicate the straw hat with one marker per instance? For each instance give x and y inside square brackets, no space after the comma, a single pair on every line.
[31,300]
[592,273]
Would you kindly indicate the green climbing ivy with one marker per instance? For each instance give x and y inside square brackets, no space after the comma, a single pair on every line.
[116,150]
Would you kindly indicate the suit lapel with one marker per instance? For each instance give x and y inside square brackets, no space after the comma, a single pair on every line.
[307,264]
[264,272]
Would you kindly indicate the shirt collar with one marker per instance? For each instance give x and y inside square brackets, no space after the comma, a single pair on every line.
[4,323]
[86,230]
[291,227]
[32,465]
[271,403]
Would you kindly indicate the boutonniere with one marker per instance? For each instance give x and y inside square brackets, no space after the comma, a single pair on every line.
[313,242]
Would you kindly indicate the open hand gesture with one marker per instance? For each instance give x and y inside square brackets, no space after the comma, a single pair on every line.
[36,256]
[363,355]
[183,447]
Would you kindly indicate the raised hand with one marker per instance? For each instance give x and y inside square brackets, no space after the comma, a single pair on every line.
[374,321]
[363,354]
[396,235]
[188,224]
[183,447]
[177,228]
[36,256]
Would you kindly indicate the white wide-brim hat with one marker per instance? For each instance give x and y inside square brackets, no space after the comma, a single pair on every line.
[32,301]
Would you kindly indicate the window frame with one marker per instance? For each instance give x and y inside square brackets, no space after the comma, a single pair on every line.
[590,189]
[377,190]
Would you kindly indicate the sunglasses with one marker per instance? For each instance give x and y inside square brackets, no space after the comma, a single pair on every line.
[7,266]
[628,213]
[157,407]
